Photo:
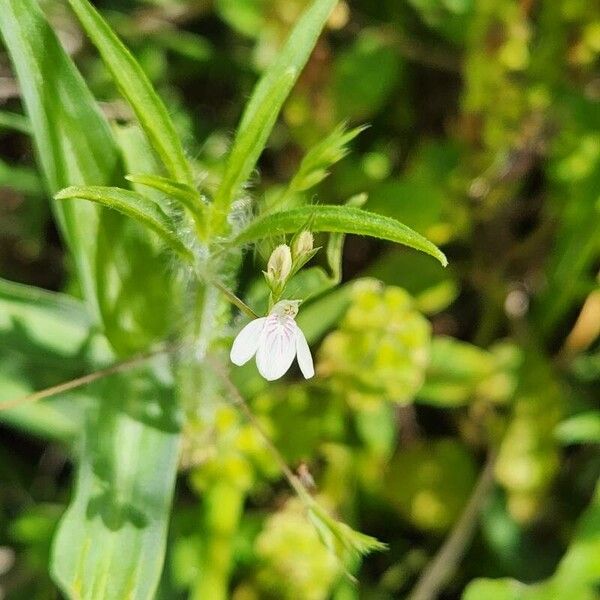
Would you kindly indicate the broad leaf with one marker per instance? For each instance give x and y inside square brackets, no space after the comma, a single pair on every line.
[338,219]
[42,340]
[112,539]
[265,104]
[133,205]
[137,89]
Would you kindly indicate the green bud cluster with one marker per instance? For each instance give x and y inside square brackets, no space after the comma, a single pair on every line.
[286,261]
[381,347]
[229,450]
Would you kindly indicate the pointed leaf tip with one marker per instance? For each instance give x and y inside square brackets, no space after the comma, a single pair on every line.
[338,219]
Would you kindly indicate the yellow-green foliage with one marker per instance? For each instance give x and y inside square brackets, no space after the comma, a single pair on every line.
[293,563]
[418,485]
[382,346]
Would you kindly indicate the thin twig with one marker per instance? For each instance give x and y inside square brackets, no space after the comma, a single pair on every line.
[448,557]
[67,386]
[234,299]
[238,400]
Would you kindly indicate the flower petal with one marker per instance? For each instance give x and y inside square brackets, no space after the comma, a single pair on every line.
[246,343]
[304,356]
[277,347]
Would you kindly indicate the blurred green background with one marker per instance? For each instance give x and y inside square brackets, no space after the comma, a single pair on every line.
[484,136]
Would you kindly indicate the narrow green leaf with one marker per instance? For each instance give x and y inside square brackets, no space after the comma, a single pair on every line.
[338,219]
[247,147]
[294,54]
[315,164]
[313,168]
[14,121]
[265,104]
[181,192]
[133,205]
[137,89]
[73,142]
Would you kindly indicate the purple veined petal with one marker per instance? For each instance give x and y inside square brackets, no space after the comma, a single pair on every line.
[304,356]
[277,347]
[246,342]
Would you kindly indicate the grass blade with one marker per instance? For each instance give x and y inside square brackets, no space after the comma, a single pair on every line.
[57,103]
[265,104]
[137,89]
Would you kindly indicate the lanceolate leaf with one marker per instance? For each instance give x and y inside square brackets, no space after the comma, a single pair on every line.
[184,194]
[73,141]
[117,522]
[137,89]
[14,121]
[338,219]
[315,164]
[133,205]
[266,102]
[248,145]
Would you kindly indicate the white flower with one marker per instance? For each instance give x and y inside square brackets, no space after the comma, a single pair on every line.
[275,339]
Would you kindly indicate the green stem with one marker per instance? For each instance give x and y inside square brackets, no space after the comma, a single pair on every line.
[223,501]
[235,300]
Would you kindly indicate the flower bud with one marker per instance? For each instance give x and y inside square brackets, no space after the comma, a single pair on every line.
[302,244]
[280,264]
